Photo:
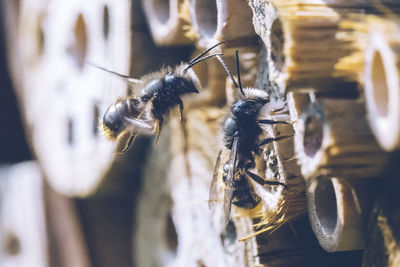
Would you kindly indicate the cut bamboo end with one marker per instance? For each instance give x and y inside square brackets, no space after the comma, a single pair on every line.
[222,20]
[382,81]
[333,138]
[168,21]
[339,210]
[299,36]
[61,96]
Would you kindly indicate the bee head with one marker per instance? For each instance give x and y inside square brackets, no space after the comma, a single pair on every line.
[183,85]
[248,108]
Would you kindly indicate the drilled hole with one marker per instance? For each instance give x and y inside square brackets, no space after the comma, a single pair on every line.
[277,42]
[161,10]
[228,236]
[312,136]
[200,263]
[380,87]
[325,205]
[106,22]
[171,235]
[70,132]
[96,115]
[206,16]
[12,245]
[40,36]
[78,48]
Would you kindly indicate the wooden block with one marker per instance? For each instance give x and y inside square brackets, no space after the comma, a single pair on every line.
[22,221]
[62,97]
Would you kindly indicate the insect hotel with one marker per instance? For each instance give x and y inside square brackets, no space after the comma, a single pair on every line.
[200,133]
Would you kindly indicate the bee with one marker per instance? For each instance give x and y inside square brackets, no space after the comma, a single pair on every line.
[241,136]
[160,93]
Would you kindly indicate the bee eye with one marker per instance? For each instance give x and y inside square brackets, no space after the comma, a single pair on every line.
[242,108]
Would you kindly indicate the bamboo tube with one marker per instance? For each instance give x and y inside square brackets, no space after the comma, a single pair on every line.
[168,21]
[339,210]
[228,20]
[300,37]
[333,139]
[61,97]
[22,219]
[382,81]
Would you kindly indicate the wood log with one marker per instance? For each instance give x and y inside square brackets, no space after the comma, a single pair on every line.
[173,215]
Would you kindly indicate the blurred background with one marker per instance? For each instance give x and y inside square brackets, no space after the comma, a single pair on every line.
[67,199]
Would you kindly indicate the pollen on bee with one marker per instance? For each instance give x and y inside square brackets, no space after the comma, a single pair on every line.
[106,131]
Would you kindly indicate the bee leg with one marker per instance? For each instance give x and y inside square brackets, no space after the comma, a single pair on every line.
[180,108]
[278,110]
[270,140]
[158,128]
[272,122]
[263,181]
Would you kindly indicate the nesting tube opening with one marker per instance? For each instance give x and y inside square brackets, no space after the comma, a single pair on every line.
[337,209]
[325,206]
[379,85]
[382,91]
[313,134]
[171,237]
[205,17]
[161,10]
[78,49]
[277,44]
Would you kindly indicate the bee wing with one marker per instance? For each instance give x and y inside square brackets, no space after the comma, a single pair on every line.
[139,126]
[229,183]
[213,185]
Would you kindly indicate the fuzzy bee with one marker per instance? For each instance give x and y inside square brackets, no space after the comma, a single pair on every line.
[160,93]
[241,136]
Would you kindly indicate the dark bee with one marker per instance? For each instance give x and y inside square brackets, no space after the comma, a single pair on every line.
[241,136]
[160,92]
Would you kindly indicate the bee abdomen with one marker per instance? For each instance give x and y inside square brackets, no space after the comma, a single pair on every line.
[112,123]
[245,198]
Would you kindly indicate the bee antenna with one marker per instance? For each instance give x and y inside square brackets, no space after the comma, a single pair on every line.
[228,71]
[126,77]
[200,60]
[205,52]
[238,72]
